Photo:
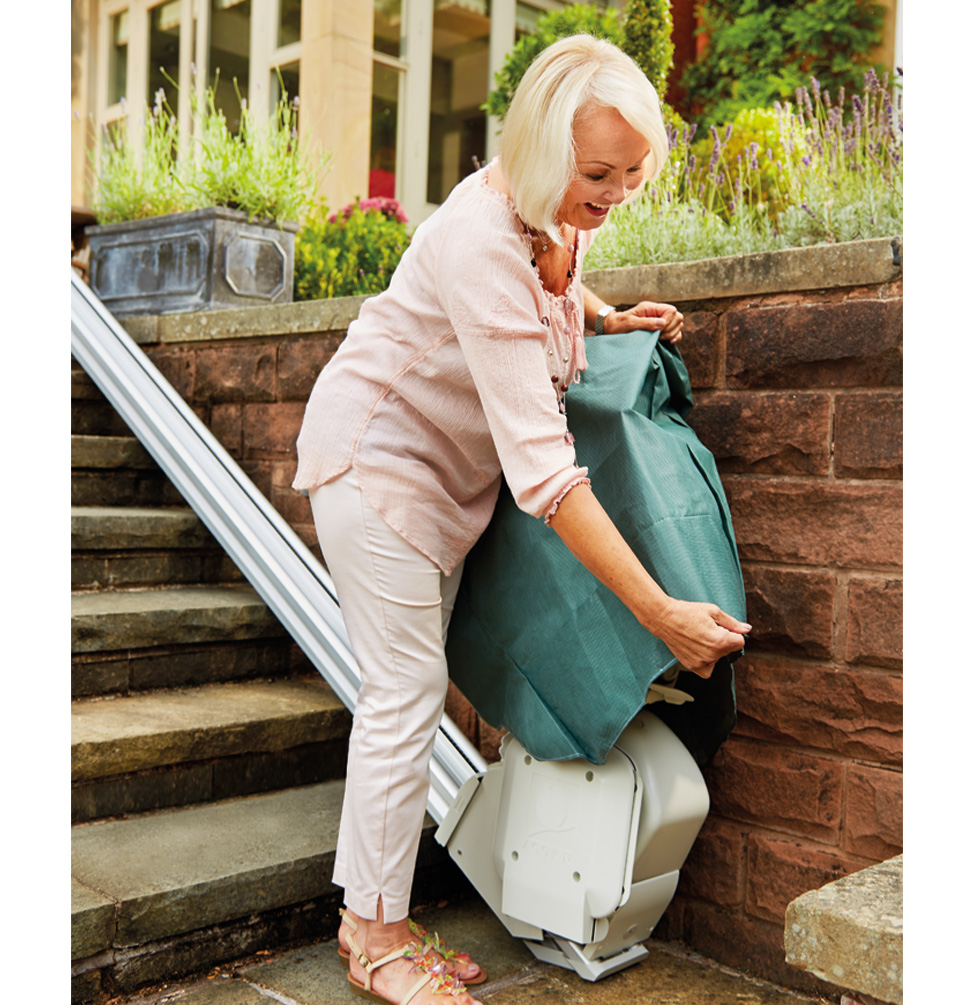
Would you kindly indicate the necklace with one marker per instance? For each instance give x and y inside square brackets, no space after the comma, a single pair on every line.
[561,379]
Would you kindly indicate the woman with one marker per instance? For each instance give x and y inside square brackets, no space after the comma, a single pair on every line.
[453,375]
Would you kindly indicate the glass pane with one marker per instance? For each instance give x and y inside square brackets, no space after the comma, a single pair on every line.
[230,46]
[382,152]
[458,87]
[289,78]
[164,50]
[526,18]
[118,55]
[289,22]
[388,27]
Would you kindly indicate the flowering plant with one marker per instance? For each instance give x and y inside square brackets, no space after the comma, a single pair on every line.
[805,173]
[262,169]
[351,252]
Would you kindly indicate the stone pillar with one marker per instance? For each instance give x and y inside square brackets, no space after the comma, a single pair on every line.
[336,93]
[83,20]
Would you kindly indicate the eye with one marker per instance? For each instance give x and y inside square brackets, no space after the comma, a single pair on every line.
[595,177]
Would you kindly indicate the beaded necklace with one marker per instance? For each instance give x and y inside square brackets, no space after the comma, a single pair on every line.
[560,380]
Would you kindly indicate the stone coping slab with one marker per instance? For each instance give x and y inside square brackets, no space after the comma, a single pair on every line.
[142,731]
[822,266]
[851,931]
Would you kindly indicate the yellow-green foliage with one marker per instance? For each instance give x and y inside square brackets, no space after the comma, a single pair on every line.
[751,162]
[349,253]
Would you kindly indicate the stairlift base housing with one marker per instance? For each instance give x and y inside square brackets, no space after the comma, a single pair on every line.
[581,860]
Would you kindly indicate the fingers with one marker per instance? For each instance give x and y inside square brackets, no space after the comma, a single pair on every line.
[649,316]
[701,634]
[732,624]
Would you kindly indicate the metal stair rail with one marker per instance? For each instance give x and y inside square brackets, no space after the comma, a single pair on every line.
[276,562]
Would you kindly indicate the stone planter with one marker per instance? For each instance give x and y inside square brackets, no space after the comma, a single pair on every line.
[206,259]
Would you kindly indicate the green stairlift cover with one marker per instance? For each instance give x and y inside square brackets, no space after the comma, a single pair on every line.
[536,643]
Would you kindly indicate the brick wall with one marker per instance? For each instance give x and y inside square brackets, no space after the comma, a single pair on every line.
[799,397]
[798,394]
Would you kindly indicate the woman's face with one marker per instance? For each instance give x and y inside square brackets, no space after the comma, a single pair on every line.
[610,156]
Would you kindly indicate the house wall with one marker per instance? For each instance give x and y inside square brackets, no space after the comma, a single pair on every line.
[795,359]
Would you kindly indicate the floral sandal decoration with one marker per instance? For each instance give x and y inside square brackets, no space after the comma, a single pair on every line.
[429,943]
[458,960]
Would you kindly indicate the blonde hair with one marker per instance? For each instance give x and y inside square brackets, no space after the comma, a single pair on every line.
[536,145]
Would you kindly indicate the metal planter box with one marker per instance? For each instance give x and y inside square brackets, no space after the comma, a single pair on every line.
[206,259]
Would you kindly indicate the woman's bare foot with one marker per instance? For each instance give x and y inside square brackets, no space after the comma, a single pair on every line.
[375,939]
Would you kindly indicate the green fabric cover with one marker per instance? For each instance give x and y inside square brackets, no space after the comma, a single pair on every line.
[536,643]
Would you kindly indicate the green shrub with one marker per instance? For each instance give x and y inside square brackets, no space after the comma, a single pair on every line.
[759,51]
[573,20]
[647,31]
[351,252]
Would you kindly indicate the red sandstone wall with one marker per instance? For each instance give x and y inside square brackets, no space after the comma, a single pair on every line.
[799,397]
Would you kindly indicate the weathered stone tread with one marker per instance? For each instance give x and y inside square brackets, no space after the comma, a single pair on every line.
[178,870]
[109,452]
[104,528]
[143,731]
[133,619]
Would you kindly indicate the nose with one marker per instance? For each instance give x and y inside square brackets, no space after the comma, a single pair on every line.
[616,190]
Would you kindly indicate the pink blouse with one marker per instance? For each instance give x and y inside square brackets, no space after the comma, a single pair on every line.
[451,377]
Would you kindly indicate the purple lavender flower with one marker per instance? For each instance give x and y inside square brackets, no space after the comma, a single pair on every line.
[727,133]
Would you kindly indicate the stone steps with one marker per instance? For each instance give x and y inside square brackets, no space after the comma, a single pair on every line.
[207,755]
[170,748]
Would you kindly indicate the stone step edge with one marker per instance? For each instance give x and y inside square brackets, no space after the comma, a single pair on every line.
[160,729]
[147,879]
[136,528]
[851,932]
[115,620]
[109,452]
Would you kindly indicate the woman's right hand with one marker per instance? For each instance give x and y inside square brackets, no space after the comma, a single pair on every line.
[697,634]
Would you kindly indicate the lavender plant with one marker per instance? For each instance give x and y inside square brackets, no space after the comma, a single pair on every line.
[806,173]
[262,169]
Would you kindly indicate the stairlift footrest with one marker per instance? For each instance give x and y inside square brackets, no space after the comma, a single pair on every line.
[566,954]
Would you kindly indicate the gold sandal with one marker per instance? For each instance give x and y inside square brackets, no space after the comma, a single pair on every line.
[429,942]
[433,973]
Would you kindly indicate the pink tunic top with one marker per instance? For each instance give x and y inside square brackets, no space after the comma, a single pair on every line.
[449,378]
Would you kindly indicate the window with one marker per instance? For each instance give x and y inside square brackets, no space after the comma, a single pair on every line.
[388,71]
[458,87]
[118,56]
[164,49]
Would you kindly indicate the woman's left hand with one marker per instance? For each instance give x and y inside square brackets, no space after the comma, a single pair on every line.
[647,316]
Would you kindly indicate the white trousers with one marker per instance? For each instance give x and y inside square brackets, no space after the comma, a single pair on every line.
[396,604]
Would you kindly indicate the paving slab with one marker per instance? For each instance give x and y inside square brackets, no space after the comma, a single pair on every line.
[137,732]
[314,974]
[669,976]
[134,619]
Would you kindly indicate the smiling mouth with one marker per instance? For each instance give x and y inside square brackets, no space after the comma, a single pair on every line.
[597,210]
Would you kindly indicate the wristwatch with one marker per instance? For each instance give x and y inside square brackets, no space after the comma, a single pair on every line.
[601,315]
